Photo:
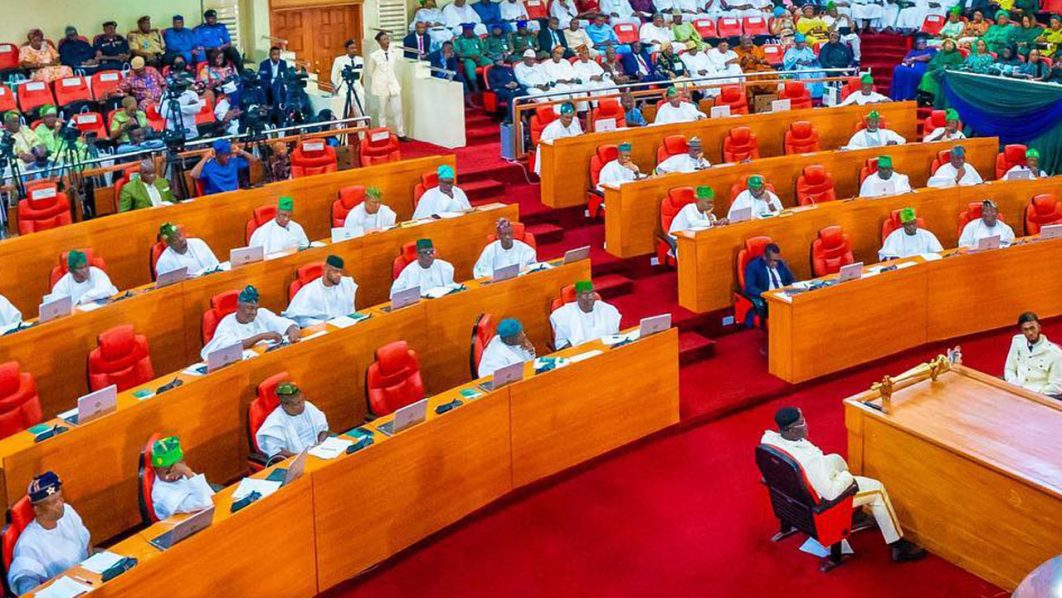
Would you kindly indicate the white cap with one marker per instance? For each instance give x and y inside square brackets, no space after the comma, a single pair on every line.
[529,53]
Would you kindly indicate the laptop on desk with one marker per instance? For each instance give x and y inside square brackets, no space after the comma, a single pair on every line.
[288,475]
[574,255]
[406,417]
[222,357]
[850,272]
[52,310]
[504,376]
[404,298]
[505,273]
[654,325]
[95,405]
[171,277]
[241,256]
[183,530]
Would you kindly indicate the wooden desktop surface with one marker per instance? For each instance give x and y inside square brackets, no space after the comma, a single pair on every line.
[566,162]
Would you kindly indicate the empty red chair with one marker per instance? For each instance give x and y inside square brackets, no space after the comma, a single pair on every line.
[672,145]
[261,215]
[304,275]
[20,406]
[830,251]
[33,95]
[205,116]
[482,333]
[221,305]
[1043,210]
[815,185]
[936,120]
[740,144]
[728,27]
[7,99]
[801,138]
[608,108]
[893,222]
[973,212]
[603,155]
[19,516]
[626,32]
[349,198]
[393,380]
[943,157]
[775,54]
[45,207]
[122,358]
[406,256]
[676,199]
[62,268]
[862,124]
[105,83]
[797,93]
[756,26]
[733,96]
[519,234]
[1013,155]
[70,90]
[146,481]
[705,28]
[869,168]
[90,122]
[9,58]
[933,24]
[379,146]
[264,403]
[851,85]
[428,180]
[542,116]
[753,249]
[536,9]
[313,156]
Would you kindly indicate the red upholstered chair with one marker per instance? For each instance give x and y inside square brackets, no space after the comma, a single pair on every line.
[304,275]
[7,98]
[774,53]
[105,83]
[33,95]
[155,120]
[733,96]
[893,222]
[603,155]
[851,85]
[406,256]
[567,295]
[122,358]
[972,212]
[677,198]
[126,176]
[393,380]
[626,32]
[61,269]
[90,122]
[705,27]
[261,406]
[743,183]
[482,333]
[536,9]
[379,146]
[205,116]
[728,27]
[672,145]
[8,57]
[607,108]
[18,517]
[799,508]
[349,198]
[933,24]
[936,120]
[146,481]
[44,208]
[755,26]
[221,305]
[542,116]
[815,185]
[313,156]
[519,234]
[261,215]
[428,180]
[831,250]
[70,90]
[153,257]
[1043,210]
[862,124]
[797,93]
[740,143]
[1013,155]
[753,249]
[943,157]
[869,168]
[801,138]
[20,406]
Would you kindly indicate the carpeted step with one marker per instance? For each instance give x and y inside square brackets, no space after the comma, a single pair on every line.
[483,189]
[480,135]
[546,233]
[693,347]
[612,285]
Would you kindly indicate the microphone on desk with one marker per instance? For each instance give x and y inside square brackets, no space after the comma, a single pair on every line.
[357,446]
[454,404]
[245,501]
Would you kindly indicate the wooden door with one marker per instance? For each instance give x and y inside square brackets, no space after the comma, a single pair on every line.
[316,33]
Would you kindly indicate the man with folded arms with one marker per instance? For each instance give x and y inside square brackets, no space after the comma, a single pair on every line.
[294,425]
[425,272]
[909,240]
[182,252]
[1034,363]
[330,296]
[504,251]
[510,345]
[371,214]
[956,170]
[873,135]
[446,198]
[177,489]
[690,161]
[758,198]
[885,181]
[583,320]
[250,325]
[988,225]
[281,233]
[82,283]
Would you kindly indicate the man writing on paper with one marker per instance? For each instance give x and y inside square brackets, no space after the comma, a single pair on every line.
[909,240]
[565,126]
[885,181]
[988,225]
[758,198]
[447,198]
[177,489]
[294,425]
[874,136]
[182,252]
[676,110]
[583,320]
[82,283]
[426,272]
[371,214]
[1034,363]
[510,345]
[692,160]
[866,94]
[330,296]
[251,325]
[505,251]
[618,171]
[281,233]
[956,171]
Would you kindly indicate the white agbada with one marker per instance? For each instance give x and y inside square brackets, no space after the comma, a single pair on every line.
[495,256]
[455,16]
[529,77]
[231,331]
[875,186]
[946,170]
[435,201]
[761,207]
[440,273]
[942,134]
[315,303]
[686,112]
[197,257]
[1021,168]
[975,230]
[186,495]
[619,11]
[697,62]
[497,355]
[861,99]
[682,163]
[96,286]
[564,12]
[292,433]
[585,69]
[41,554]
[879,138]
[651,35]
[556,130]
[719,62]
[1038,369]
[614,173]
[360,220]
[572,326]
[690,217]
[10,316]
[272,237]
[561,70]
[513,11]
[901,244]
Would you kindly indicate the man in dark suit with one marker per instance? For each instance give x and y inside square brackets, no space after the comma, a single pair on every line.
[550,37]
[765,273]
[446,59]
[270,71]
[504,85]
[417,39]
[638,66]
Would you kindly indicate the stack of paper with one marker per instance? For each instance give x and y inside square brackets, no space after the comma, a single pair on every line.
[441,291]
[64,587]
[249,485]
[101,561]
[585,356]
[330,448]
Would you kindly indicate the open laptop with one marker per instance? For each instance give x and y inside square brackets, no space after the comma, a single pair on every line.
[343,233]
[504,376]
[404,298]
[241,256]
[780,106]
[58,308]
[95,405]
[1020,175]
[986,243]
[1051,231]
[605,124]
[850,272]
[941,182]
[505,273]
[720,111]
[185,529]
[171,277]
[741,215]
[574,255]
[406,417]
[653,325]
[293,472]
[222,357]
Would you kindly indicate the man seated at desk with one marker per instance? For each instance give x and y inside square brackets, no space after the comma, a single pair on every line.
[988,225]
[885,181]
[765,273]
[565,126]
[82,283]
[510,345]
[251,325]
[874,136]
[618,171]
[950,131]
[294,425]
[145,191]
[177,489]
[425,272]
[10,316]
[182,252]
[866,94]
[829,477]
[1031,166]
[281,233]
[53,542]
[371,214]
[676,109]
[447,198]
[956,172]
[1033,362]
[330,296]
[909,240]
[583,320]
[505,251]
[690,161]
[696,215]
[761,200]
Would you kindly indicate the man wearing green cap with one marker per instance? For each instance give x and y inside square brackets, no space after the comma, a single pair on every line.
[618,171]
[182,252]
[955,172]
[873,135]
[281,233]
[676,109]
[146,190]
[909,240]
[27,146]
[426,272]
[82,283]
[866,94]
[293,426]
[950,131]
[690,161]
[583,320]
[885,181]
[761,201]
[371,214]
[838,18]
[251,325]
[177,489]
[447,198]
[698,214]
[1029,170]
[510,345]
[565,126]
[987,226]
[330,296]
[504,251]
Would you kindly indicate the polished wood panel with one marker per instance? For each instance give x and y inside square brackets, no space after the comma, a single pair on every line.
[566,162]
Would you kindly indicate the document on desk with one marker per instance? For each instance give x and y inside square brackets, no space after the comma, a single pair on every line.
[249,485]
[442,291]
[101,561]
[330,448]
[64,587]
[348,321]
[91,306]
[585,356]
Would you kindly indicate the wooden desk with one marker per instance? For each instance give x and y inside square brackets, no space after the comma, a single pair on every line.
[124,240]
[972,467]
[633,209]
[566,162]
[707,262]
[863,320]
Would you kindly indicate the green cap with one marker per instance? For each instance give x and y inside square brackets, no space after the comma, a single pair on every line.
[868,79]
[287,389]
[705,192]
[445,171]
[76,259]
[1004,13]
[567,108]
[830,5]
[959,151]
[166,452]
[335,261]
[11,116]
[286,203]
[907,215]
[373,192]
[624,147]
[509,327]
[584,286]
[424,244]
[1032,153]
[874,115]
[672,92]
[48,109]
[755,181]
[167,231]
[956,10]
[884,161]
[249,294]
[951,115]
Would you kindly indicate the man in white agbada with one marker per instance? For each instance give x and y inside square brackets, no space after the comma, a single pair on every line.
[618,171]
[873,135]
[564,11]
[281,233]
[82,283]
[619,11]
[513,11]
[676,110]
[594,78]
[370,215]
[950,131]
[351,59]
[655,33]
[909,240]
[250,325]
[761,200]
[690,161]
[955,172]
[865,95]
[1031,166]
[696,215]
[885,181]
[446,198]
[565,126]
[697,62]
[53,542]
[425,272]
[294,425]
[510,345]
[561,75]
[530,75]
[329,296]
[504,251]
[177,489]
[988,225]
[829,478]
[869,13]
[1033,362]
[459,12]
[430,14]
[10,316]
[583,320]
[724,62]
[182,252]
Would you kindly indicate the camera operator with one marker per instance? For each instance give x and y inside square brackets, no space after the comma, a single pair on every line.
[350,67]
[180,103]
[227,108]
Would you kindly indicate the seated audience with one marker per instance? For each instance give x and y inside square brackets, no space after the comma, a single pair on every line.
[980,61]
[1034,68]
[800,57]
[217,72]
[811,25]
[908,74]
[531,77]
[76,53]
[294,426]
[956,172]
[576,37]
[724,61]
[655,34]
[947,59]
[524,39]
[183,42]
[873,136]
[215,36]
[281,233]
[41,59]
[417,42]
[490,15]
[146,190]
[512,13]
[865,95]
[47,132]
[909,240]
[885,181]
[146,42]
[125,119]
[112,50]
[370,215]
[497,46]
[143,83]
[835,54]
[250,325]
[432,16]
[757,197]
[550,37]
[583,320]
[988,225]
[618,171]
[183,252]
[177,489]
[682,31]
[510,345]
[471,52]
[426,272]
[82,283]
[446,198]
[329,296]
[506,87]
[765,273]
[27,147]
[503,252]
[1033,362]
[631,113]
[690,161]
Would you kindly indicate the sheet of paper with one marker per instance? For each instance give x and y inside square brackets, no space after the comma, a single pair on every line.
[249,485]
[92,306]
[929,257]
[343,322]
[101,561]
[224,266]
[64,587]
[316,244]
[194,369]
[442,291]
[450,214]
[315,335]
[585,356]
[812,546]
[615,339]
[330,448]
[67,413]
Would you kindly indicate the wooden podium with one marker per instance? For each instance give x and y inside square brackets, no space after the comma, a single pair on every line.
[973,466]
